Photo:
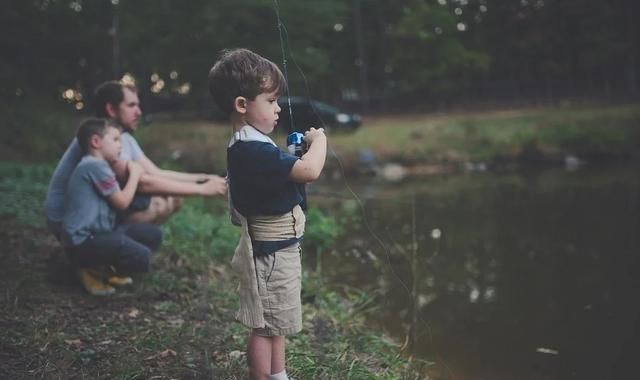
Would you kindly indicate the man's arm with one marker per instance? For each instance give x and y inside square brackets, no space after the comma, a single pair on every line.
[122,199]
[157,184]
[151,168]
[205,185]
[309,166]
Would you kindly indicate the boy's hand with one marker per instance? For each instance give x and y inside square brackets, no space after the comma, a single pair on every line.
[135,169]
[120,169]
[313,134]
[215,185]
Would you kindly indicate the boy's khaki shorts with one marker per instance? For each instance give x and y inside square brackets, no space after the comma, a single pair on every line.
[279,285]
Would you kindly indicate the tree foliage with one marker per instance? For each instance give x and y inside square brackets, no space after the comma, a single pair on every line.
[401,52]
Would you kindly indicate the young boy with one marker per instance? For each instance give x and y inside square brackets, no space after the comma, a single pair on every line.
[266,190]
[89,231]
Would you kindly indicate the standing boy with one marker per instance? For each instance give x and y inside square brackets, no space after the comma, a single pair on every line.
[89,231]
[266,189]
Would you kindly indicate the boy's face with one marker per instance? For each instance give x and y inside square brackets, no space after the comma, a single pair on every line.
[128,112]
[110,145]
[262,112]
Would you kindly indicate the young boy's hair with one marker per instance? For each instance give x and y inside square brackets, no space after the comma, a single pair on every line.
[110,92]
[241,72]
[91,127]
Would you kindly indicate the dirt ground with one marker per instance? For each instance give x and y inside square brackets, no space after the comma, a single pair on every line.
[52,329]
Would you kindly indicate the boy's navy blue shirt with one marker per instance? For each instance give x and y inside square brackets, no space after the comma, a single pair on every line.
[259,179]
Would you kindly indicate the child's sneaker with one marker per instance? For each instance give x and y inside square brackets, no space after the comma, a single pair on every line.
[119,281]
[92,281]
[113,278]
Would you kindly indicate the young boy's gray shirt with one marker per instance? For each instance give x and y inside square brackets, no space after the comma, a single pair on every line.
[55,203]
[88,211]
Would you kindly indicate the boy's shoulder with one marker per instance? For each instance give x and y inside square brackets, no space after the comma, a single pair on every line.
[252,149]
[253,145]
[92,164]
[96,174]
[258,152]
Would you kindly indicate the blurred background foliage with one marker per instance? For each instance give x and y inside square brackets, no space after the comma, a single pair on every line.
[370,56]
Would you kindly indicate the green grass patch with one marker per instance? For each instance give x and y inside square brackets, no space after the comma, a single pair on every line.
[24,188]
[484,136]
[178,321]
[428,138]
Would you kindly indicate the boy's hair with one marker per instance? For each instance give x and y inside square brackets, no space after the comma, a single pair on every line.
[91,127]
[241,72]
[110,92]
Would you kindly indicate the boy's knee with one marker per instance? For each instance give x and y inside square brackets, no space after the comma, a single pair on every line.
[164,207]
[174,204]
[159,210]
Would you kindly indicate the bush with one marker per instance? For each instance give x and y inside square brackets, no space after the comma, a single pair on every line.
[23,189]
[198,233]
[35,131]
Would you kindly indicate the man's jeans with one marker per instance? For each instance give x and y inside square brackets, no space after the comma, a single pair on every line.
[128,248]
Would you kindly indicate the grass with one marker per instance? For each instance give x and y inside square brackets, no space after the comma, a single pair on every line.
[485,136]
[177,321]
[412,139]
[550,133]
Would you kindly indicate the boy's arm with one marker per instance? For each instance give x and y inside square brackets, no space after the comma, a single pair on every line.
[309,166]
[122,199]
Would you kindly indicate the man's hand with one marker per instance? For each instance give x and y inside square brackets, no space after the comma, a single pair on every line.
[215,185]
[313,134]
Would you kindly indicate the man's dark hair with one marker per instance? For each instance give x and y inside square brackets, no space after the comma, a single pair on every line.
[91,127]
[241,72]
[110,92]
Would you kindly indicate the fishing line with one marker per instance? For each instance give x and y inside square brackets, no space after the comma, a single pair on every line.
[284,40]
[281,29]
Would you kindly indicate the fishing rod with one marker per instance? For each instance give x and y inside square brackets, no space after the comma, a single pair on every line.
[295,140]
[282,33]
[284,41]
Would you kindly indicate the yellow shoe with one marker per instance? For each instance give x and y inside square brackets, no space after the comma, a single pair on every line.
[93,283]
[119,281]
[113,278]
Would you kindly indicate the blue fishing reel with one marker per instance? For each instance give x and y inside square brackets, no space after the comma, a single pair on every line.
[296,144]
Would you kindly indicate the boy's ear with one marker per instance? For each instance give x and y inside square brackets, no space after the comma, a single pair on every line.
[111,111]
[240,104]
[95,142]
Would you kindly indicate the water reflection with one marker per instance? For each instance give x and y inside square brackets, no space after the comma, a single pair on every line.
[532,276]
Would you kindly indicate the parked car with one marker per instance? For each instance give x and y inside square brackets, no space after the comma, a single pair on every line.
[312,113]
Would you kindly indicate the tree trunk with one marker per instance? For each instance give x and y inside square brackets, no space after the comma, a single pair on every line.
[632,78]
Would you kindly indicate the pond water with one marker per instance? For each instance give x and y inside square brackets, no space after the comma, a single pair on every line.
[498,275]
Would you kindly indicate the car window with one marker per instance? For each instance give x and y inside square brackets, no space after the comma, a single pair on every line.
[325,108]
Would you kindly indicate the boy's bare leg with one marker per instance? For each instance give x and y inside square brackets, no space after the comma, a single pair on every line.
[259,356]
[277,354]
[160,209]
